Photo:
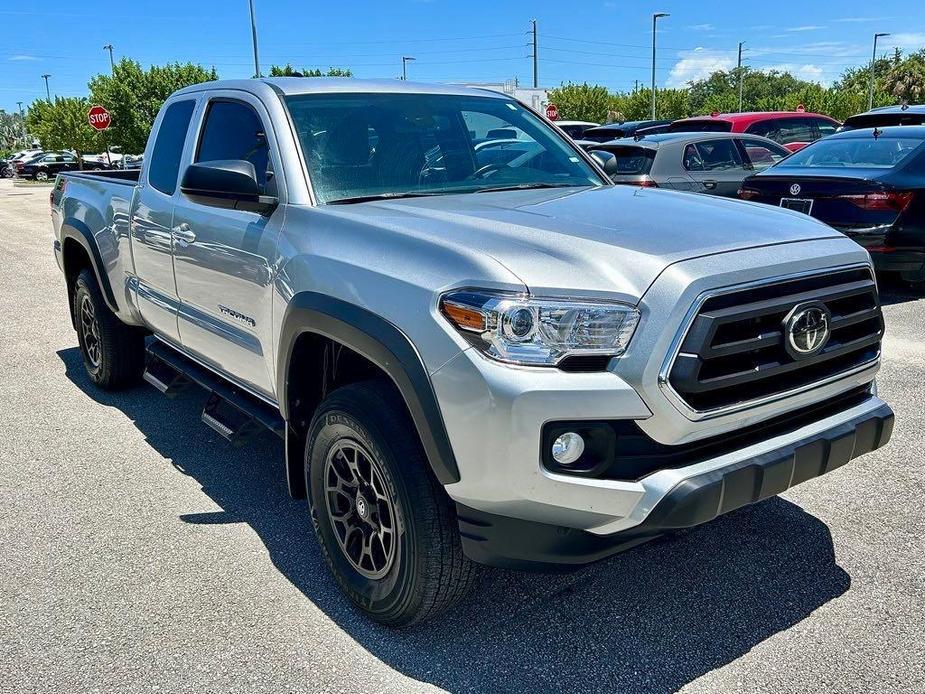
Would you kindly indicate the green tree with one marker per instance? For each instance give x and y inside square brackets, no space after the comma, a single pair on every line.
[288,71]
[905,79]
[11,131]
[582,102]
[62,124]
[133,96]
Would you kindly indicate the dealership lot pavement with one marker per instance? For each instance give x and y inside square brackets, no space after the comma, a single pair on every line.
[140,552]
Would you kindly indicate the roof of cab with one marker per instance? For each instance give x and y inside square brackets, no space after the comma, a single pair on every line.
[292,86]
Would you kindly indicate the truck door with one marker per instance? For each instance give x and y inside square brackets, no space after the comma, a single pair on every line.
[152,239]
[225,259]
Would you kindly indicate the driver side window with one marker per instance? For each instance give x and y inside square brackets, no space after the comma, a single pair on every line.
[233,130]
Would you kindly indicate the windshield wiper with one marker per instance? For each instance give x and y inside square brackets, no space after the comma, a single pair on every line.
[527,186]
[386,196]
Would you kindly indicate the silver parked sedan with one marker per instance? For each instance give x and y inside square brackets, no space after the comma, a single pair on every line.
[714,163]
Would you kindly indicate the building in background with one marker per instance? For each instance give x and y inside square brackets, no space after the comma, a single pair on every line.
[534,98]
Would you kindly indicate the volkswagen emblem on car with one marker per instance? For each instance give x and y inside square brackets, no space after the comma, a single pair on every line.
[795,189]
[807,329]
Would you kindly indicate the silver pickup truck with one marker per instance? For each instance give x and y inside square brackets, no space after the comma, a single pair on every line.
[475,347]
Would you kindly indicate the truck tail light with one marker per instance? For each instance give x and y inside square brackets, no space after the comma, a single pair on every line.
[748,194]
[648,183]
[892,201]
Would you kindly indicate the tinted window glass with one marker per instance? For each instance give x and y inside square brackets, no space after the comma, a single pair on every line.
[233,131]
[700,126]
[429,144]
[633,160]
[719,155]
[761,155]
[165,159]
[786,130]
[824,128]
[854,152]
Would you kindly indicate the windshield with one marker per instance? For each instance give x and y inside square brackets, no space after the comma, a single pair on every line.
[360,146]
[854,152]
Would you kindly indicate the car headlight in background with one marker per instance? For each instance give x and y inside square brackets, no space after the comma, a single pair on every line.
[539,331]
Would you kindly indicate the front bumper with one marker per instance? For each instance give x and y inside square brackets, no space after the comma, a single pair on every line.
[699,494]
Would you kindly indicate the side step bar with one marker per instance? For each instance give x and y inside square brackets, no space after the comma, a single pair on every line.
[233,413]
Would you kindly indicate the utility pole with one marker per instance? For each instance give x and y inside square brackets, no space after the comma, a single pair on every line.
[254,37]
[873,71]
[741,75]
[47,91]
[405,59]
[655,18]
[536,64]
[22,123]
[112,65]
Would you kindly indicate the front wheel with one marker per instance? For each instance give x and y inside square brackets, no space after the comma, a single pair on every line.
[41,176]
[386,527]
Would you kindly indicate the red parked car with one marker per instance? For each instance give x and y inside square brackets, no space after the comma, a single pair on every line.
[792,129]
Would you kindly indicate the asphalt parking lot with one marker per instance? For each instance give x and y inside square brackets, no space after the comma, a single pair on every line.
[140,552]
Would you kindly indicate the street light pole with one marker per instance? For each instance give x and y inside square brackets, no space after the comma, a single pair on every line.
[112,65]
[254,37]
[536,64]
[655,18]
[405,59]
[741,75]
[22,124]
[873,71]
[47,91]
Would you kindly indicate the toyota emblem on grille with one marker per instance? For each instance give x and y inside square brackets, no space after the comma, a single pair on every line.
[795,189]
[807,329]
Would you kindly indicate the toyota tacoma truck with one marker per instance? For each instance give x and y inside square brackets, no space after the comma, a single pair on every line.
[476,348]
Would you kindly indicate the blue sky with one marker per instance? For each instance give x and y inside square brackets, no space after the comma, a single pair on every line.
[602,41]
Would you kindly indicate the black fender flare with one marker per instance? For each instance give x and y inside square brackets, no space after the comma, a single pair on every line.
[73,228]
[384,345]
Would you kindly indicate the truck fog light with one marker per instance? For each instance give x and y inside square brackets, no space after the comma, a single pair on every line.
[568,448]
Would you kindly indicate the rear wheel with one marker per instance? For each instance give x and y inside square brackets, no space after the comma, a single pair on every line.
[41,175]
[113,352]
[386,527]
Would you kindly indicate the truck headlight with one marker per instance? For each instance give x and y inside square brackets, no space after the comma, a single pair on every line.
[539,331]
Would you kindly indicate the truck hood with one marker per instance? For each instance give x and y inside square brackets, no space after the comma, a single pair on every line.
[609,241]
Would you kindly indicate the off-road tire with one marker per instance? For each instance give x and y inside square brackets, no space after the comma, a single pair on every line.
[429,573]
[118,358]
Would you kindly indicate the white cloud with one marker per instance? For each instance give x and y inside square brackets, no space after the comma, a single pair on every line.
[698,64]
[807,27]
[860,20]
[701,27]
[22,57]
[909,41]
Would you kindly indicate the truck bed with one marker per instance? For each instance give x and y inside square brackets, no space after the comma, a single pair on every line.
[128,177]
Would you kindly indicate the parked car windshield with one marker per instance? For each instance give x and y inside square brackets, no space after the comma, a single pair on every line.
[854,152]
[360,146]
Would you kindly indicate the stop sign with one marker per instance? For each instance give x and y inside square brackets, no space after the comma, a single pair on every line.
[552,112]
[99,117]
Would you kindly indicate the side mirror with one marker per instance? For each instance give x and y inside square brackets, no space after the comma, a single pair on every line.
[230,183]
[606,160]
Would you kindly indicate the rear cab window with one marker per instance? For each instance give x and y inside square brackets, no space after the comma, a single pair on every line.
[168,147]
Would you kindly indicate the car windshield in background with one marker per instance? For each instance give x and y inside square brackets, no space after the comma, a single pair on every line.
[633,161]
[364,146]
[853,152]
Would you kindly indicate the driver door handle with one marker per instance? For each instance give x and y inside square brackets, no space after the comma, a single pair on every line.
[709,185]
[184,233]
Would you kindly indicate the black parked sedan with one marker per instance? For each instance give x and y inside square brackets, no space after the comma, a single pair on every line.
[868,183]
[52,163]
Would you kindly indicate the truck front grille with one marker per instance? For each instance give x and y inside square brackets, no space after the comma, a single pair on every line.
[734,350]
